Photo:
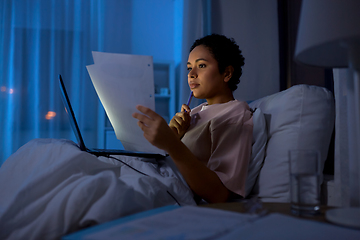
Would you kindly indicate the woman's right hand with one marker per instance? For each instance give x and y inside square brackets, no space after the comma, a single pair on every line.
[181,121]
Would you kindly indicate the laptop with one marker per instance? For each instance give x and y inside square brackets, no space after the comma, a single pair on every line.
[97,152]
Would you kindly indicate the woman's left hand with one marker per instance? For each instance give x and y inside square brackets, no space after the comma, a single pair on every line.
[155,128]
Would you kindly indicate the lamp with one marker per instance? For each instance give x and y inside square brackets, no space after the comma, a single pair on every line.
[329,36]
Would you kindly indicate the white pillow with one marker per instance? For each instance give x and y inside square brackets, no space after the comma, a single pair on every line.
[301,117]
[257,150]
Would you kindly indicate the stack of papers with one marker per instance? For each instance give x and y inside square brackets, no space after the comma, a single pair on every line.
[123,81]
[208,223]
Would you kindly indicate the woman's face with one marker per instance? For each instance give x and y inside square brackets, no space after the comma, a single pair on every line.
[204,78]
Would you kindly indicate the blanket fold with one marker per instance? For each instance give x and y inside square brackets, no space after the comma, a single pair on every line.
[50,188]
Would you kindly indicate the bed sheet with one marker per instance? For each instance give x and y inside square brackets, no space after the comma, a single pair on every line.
[49,188]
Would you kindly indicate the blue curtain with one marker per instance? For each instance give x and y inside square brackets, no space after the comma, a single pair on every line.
[40,39]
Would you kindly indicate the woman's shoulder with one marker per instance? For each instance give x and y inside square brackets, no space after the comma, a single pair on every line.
[239,104]
[232,111]
[235,112]
[235,107]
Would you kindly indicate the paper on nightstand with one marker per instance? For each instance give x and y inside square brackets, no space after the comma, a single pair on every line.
[123,81]
[181,223]
[191,222]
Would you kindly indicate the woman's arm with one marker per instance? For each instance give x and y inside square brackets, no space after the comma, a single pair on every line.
[203,181]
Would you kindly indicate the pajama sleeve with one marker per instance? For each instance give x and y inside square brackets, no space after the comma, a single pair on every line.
[231,140]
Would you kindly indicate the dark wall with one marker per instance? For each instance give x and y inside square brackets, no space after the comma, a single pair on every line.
[292,72]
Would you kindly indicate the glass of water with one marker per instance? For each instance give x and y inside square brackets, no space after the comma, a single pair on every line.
[304,182]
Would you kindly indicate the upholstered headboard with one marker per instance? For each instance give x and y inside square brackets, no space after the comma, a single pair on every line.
[301,117]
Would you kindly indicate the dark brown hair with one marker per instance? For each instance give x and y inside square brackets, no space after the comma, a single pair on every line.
[226,52]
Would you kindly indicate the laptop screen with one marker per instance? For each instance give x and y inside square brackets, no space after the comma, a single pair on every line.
[70,112]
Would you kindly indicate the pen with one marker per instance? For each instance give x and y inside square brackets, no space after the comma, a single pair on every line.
[190,97]
[189,100]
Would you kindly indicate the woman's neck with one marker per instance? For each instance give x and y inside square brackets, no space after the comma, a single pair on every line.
[220,99]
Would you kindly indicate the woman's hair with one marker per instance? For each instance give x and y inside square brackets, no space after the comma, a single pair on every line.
[226,52]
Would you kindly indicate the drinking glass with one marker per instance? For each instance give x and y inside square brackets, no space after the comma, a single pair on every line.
[304,182]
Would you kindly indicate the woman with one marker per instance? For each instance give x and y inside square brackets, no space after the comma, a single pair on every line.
[52,188]
[210,144]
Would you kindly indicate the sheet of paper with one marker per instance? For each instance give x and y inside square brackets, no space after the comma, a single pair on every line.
[182,223]
[282,227]
[192,222]
[123,81]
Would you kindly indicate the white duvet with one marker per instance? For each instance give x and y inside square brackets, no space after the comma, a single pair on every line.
[49,188]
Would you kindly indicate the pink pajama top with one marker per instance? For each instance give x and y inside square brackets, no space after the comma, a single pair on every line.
[220,136]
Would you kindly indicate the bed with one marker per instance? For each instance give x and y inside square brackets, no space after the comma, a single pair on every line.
[50,188]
